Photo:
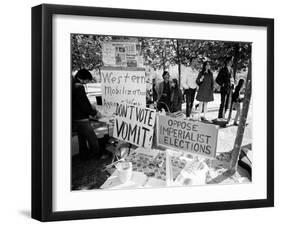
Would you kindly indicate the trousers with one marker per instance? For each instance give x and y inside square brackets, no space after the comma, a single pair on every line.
[189,96]
[88,141]
[224,103]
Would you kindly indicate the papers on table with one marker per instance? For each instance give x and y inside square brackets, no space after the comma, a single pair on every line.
[138,180]
[153,182]
[151,153]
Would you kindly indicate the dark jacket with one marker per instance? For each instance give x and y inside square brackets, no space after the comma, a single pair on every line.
[236,97]
[176,100]
[160,88]
[81,106]
[205,90]
[224,79]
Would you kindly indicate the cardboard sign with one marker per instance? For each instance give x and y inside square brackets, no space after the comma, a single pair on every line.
[134,124]
[190,136]
[122,86]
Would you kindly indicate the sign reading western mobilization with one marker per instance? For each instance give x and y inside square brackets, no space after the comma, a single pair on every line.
[122,86]
[134,124]
[190,136]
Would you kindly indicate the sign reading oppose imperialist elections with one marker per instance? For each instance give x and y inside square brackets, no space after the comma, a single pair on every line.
[122,86]
[134,124]
[190,136]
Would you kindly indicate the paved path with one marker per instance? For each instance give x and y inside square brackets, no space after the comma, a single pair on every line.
[227,135]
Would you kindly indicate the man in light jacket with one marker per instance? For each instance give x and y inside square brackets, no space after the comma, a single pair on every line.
[190,86]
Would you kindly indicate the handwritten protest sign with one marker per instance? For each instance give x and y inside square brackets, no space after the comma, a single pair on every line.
[134,124]
[190,136]
[122,86]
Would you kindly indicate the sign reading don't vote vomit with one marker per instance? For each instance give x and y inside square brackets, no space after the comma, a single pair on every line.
[190,136]
[134,124]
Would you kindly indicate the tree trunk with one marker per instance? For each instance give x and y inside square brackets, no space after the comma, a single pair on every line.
[235,60]
[242,123]
[163,62]
[99,74]
[179,69]
[179,62]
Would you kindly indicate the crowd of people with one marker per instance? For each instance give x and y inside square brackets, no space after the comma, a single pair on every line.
[168,96]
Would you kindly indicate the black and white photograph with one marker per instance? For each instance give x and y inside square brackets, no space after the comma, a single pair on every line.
[153,112]
[140,113]
[148,112]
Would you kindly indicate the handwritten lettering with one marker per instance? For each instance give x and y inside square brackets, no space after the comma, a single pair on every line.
[134,124]
[120,86]
[185,135]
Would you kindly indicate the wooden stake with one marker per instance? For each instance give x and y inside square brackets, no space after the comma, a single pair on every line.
[169,172]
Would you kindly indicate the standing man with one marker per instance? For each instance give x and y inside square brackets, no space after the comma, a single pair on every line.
[81,111]
[164,92]
[226,82]
[190,86]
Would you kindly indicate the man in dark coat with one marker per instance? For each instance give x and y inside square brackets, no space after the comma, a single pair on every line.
[164,92]
[225,80]
[81,110]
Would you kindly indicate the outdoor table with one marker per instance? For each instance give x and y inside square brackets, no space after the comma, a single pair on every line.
[107,120]
[138,180]
[100,128]
[149,169]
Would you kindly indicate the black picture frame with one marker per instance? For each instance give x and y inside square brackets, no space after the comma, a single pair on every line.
[42,111]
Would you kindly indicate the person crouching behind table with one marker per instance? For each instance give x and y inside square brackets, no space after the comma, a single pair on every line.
[176,96]
[237,100]
[81,111]
[205,81]
[164,93]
